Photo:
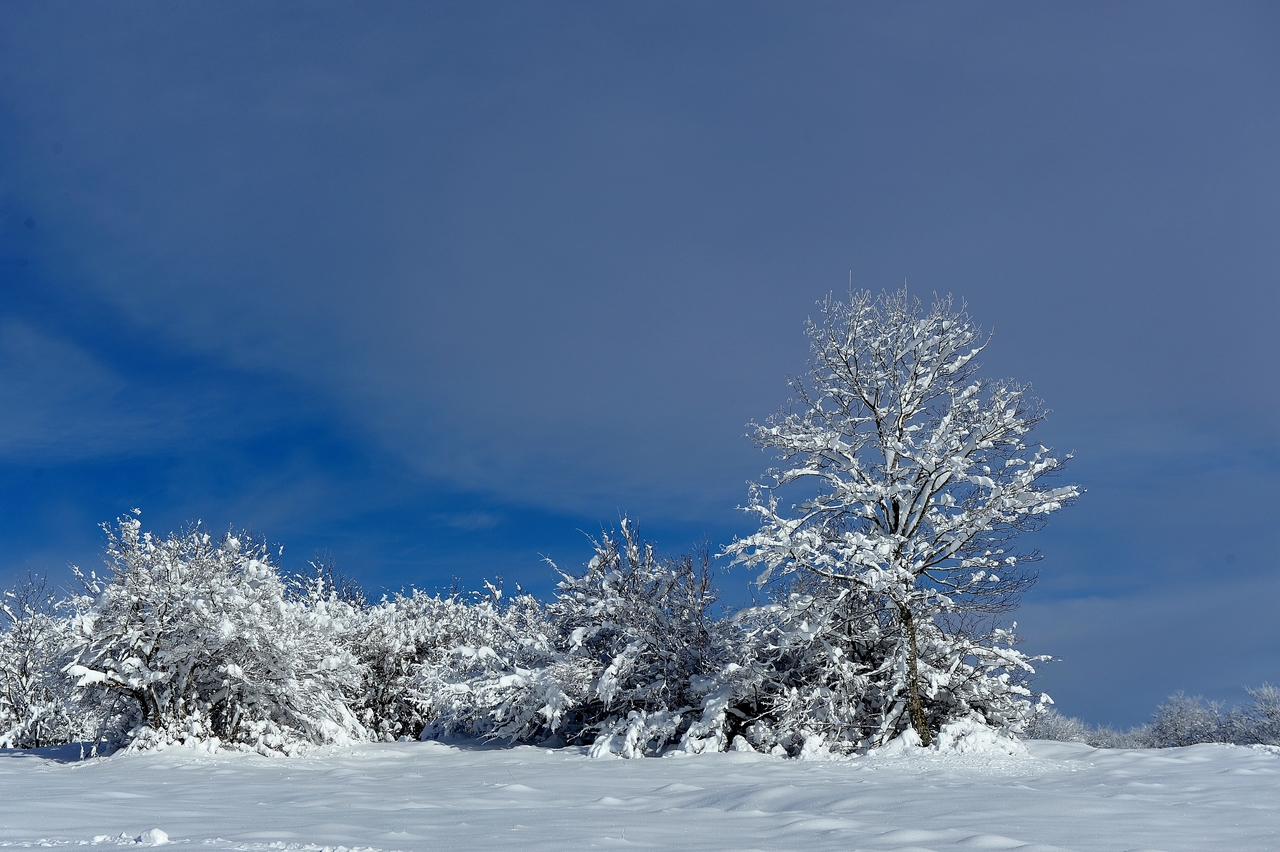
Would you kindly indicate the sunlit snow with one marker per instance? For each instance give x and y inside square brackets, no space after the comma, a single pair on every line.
[419,796]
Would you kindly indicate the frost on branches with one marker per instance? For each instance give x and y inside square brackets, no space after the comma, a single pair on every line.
[618,661]
[640,627]
[911,477]
[35,701]
[497,676]
[404,642]
[193,638]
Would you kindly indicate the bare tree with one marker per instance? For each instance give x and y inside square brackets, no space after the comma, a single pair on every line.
[916,473]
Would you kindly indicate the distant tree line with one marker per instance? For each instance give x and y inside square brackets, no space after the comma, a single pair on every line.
[1181,720]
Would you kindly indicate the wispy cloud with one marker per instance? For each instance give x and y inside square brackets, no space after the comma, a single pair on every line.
[470,521]
[60,401]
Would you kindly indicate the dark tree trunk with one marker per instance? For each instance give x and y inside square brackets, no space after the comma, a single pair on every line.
[918,720]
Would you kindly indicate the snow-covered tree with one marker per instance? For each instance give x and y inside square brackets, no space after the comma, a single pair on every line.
[1184,720]
[640,628]
[1261,721]
[391,640]
[427,658]
[912,475]
[1181,720]
[803,671]
[196,638]
[820,669]
[620,660]
[36,707]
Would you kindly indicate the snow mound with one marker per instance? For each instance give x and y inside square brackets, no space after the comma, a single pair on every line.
[969,736]
[963,736]
[153,837]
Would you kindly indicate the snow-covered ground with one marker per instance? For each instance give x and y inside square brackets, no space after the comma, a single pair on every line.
[420,796]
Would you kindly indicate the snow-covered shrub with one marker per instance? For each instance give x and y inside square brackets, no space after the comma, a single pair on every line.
[391,640]
[1183,720]
[825,664]
[192,638]
[621,657]
[495,671]
[641,733]
[36,706]
[1179,721]
[1256,723]
[423,654]
[1187,720]
[808,666]
[1048,724]
[639,630]
[1261,721]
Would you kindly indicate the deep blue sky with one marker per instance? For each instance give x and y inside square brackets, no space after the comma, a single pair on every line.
[434,287]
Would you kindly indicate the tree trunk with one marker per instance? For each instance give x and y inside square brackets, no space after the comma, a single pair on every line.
[918,720]
[157,715]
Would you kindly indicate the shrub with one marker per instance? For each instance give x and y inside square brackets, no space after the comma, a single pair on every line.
[195,639]
[36,706]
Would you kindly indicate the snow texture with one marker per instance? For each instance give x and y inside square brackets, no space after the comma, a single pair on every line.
[431,795]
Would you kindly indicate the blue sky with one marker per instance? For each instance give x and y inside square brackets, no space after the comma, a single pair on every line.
[438,287]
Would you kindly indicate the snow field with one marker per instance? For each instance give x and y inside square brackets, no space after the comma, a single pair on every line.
[420,796]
